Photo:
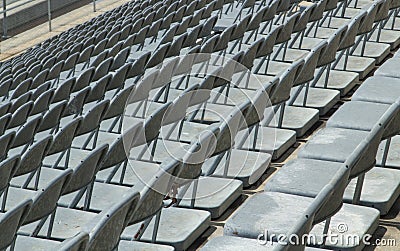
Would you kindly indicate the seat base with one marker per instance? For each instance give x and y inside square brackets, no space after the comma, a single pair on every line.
[361,65]
[274,141]
[299,119]
[377,51]
[140,246]
[350,220]
[213,194]
[267,212]
[391,37]
[390,68]
[372,90]
[244,165]
[342,81]
[380,190]
[179,227]
[393,158]
[321,99]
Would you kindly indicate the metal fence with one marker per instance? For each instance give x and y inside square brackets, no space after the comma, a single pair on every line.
[17,4]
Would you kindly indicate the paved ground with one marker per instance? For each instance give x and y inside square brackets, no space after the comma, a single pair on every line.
[19,43]
[389,225]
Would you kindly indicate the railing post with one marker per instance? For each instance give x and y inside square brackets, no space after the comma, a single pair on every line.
[4,19]
[49,13]
[94,5]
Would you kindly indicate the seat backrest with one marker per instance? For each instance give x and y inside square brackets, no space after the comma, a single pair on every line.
[229,127]
[84,79]
[143,87]
[11,221]
[152,125]
[367,23]
[45,200]
[329,54]
[310,64]
[152,195]
[64,137]
[304,224]
[177,110]
[85,172]
[92,119]
[304,18]
[32,159]
[256,107]
[106,228]
[281,91]
[52,117]
[352,30]
[285,34]
[269,42]
[8,168]
[139,66]
[78,242]
[26,132]
[120,148]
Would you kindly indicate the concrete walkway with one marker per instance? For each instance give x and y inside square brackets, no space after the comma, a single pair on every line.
[19,43]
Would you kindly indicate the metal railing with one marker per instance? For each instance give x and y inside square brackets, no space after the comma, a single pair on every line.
[5,10]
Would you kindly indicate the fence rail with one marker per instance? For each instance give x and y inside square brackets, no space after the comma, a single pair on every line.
[5,10]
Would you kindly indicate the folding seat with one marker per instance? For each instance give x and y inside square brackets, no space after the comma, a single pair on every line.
[5,88]
[84,58]
[317,98]
[128,42]
[115,49]
[34,70]
[364,47]
[25,133]
[338,80]
[61,146]
[102,69]
[21,89]
[268,241]
[137,68]
[43,102]
[360,65]
[158,230]
[40,78]
[17,79]
[78,242]
[89,128]
[388,69]
[383,35]
[52,117]
[84,79]
[76,102]
[4,121]
[8,168]
[100,47]
[114,168]
[195,18]
[11,221]
[68,67]
[20,114]
[98,225]
[261,137]
[44,200]
[54,72]
[62,55]
[99,58]
[98,89]
[120,59]
[268,210]
[64,90]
